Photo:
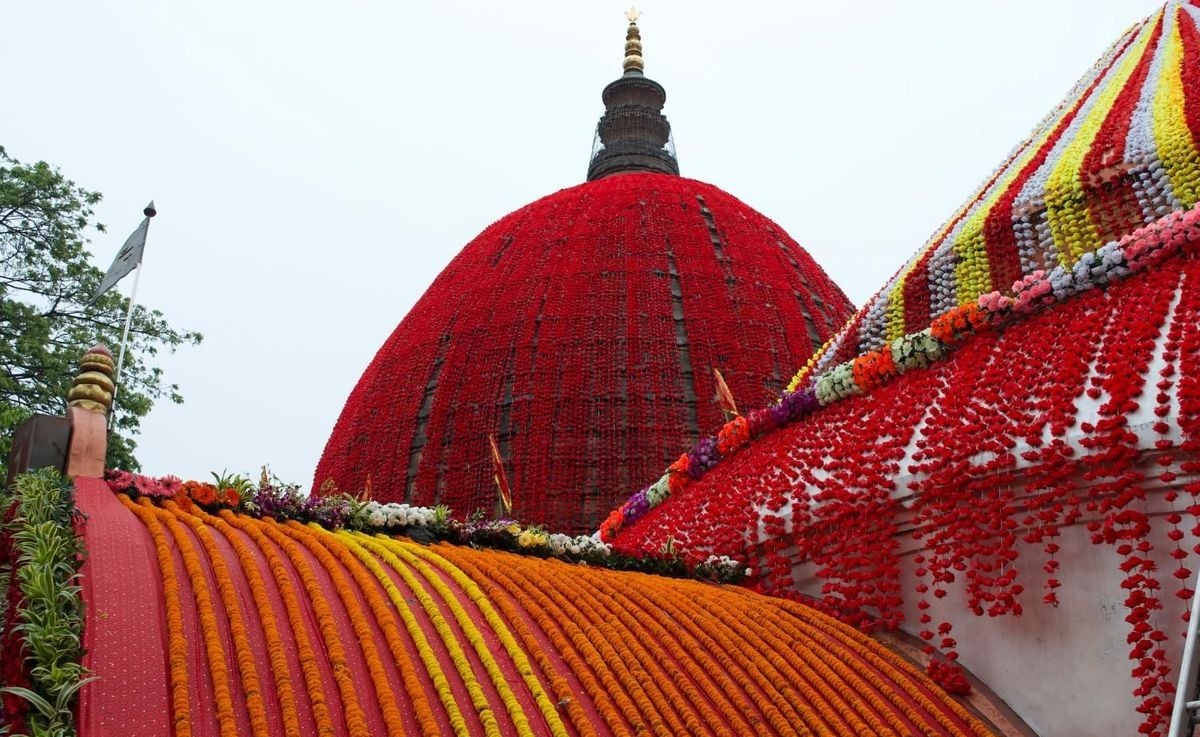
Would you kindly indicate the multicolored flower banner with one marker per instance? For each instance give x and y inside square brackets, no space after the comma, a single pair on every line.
[1119,152]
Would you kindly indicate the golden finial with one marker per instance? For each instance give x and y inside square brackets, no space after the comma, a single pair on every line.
[93,388]
[633,43]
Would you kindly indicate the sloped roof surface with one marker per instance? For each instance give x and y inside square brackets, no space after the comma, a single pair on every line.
[223,625]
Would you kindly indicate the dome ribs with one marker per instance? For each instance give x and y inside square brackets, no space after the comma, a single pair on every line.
[683,351]
[416,447]
[582,329]
[713,235]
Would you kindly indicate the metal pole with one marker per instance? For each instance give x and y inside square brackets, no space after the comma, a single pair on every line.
[149,211]
[137,274]
[1186,688]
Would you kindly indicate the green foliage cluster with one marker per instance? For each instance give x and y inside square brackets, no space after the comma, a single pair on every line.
[46,324]
[51,612]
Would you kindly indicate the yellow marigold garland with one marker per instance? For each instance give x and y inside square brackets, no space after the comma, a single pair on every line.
[311,540]
[429,658]
[1174,139]
[407,553]
[497,624]
[613,701]
[503,598]
[379,605]
[1066,208]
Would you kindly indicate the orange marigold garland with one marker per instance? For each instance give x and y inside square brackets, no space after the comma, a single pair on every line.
[243,653]
[328,547]
[177,646]
[612,700]
[329,555]
[429,659]
[475,637]
[327,625]
[461,662]
[501,598]
[280,670]
[297,619]
[210,631]
[497,624]
[874,368]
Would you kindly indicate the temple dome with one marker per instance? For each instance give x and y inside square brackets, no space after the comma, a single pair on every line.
[581,331]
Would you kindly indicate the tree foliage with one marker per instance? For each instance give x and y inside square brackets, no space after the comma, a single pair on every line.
[46,324]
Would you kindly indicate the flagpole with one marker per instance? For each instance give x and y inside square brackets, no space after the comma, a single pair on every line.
[149,211]
[137,275]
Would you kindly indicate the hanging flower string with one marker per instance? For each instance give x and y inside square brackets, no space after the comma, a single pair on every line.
[1174,234]
[1020,433]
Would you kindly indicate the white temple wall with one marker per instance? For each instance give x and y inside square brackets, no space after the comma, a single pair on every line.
[1065,670]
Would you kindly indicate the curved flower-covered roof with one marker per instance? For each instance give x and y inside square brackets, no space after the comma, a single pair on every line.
[1120,151]
[223,624]
[582,331]
[1029,383]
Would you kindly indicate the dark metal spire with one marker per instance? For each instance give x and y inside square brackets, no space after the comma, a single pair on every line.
[633,134]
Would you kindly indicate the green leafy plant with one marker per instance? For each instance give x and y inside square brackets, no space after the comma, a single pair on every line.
[50,623]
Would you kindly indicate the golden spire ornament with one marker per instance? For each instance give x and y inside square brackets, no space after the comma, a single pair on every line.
[633,43]
[93,388]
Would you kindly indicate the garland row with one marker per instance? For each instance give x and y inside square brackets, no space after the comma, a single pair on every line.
[273,499]
[411,639]
[1178,232]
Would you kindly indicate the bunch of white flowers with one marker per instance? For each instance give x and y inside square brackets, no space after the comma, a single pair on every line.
[916,350]
[387,516]
[836,384]
[722,567]
[658,493]
[580,545]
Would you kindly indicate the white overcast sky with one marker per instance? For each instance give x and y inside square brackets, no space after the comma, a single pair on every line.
[315,165]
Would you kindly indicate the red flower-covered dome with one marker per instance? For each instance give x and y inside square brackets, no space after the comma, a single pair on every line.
[582,331]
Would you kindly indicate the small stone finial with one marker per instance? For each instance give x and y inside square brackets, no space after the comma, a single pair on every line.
[94,387]
[633,43]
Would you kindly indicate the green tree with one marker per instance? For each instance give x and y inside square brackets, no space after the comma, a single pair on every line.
[46,324]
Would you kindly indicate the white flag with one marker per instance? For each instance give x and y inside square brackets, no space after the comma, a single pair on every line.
[126,261]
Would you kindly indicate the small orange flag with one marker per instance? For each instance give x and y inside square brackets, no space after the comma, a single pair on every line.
[724,396]
[501,478]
